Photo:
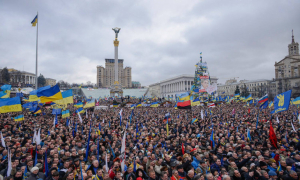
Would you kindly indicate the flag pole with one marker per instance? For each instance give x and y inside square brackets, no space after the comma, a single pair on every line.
[36,58]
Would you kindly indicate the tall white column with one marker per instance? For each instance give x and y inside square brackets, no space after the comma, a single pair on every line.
[116,63]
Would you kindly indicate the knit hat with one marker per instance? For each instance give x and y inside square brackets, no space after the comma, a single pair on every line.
[272,173]
[34,168]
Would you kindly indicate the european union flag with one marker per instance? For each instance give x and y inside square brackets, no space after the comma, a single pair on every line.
[282,102]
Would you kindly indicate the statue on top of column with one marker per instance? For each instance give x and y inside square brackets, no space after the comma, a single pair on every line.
[117,30]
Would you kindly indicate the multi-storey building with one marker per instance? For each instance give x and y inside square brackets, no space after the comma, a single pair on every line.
[106,76]
[287,71]
[257,88]
[50,81]
[136,84]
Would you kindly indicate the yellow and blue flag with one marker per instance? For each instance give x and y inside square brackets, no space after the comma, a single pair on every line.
[34,21]
[196,102]
[67,98]
[132,106]
[51,94]
[89,104]
[248,98]
[5,91]
[271,104]
[37,111]
[65,114]
[10,105]
[80,104]
[194,120]
[282,102]
[19,118]
[80,110]
[33,94]
[237,95]
[154,104]
[296,101]
[115,104]
[167,127]
[279,167]
[138,105]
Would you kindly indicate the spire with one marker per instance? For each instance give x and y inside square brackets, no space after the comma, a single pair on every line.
[293,36]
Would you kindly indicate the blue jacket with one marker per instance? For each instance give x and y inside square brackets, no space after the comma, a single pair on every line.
[215,166]
[195,163]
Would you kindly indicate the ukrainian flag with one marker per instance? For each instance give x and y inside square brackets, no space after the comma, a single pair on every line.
[34,21]
[194,120]
[115,105]
[67,98]
[37,111]
[271,104]
[196,102]
[296,101]
[279,167]
[248,98]
[139,105]
[80,104]
[80,110]
[89,104]
[66,114]
[10,105]
[50,94]
[19,118]
[175,106]
[33,94]
[132,106]
[154,104]
[5,93]
[237,95]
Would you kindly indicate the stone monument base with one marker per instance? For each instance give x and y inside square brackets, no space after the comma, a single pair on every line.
[116,88]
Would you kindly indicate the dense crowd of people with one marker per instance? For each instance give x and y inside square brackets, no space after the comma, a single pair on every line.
[229,141]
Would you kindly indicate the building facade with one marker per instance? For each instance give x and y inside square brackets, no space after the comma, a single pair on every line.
[21,78]
[287,71]
[136,84]
[176,85]
[154,90]
[50,81]
[257,88]
[106,76]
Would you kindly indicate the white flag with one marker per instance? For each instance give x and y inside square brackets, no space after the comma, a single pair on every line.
[103,120]
[86,114]
[2,140]
[299,118]
[38,137]
[80,119]
[122,156]
[93,115]
[277,119]
[293,126]
[9,163]
[54,122]
[34,136]
[202,116]
[106,165]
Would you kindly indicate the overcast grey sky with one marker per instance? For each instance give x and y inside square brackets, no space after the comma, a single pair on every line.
[159,39]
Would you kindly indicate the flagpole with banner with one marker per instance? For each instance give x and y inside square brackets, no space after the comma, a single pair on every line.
[34,23]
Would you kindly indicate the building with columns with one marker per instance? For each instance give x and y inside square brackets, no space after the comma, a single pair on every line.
[287,71]
[22,78]
[175,85]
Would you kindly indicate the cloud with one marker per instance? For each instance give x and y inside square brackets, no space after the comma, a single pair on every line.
[158,39]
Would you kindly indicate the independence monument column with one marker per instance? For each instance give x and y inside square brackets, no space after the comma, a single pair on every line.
[116,44]
[116,88]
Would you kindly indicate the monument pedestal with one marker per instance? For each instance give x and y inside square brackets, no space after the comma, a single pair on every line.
[116,88]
